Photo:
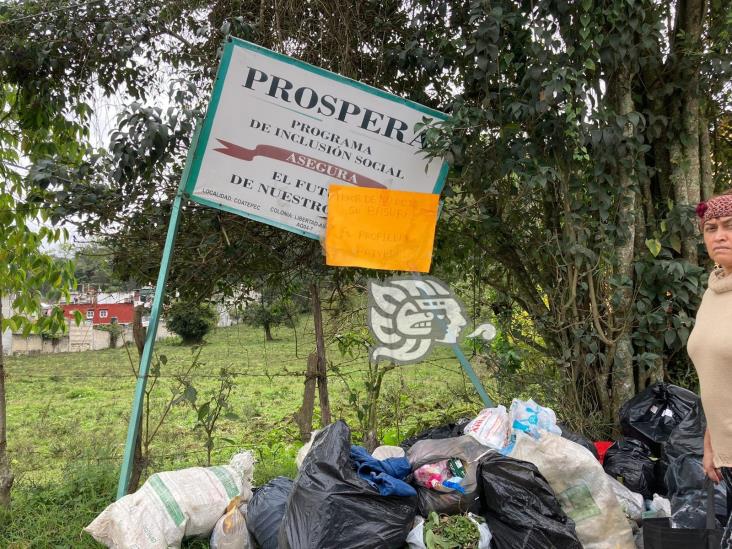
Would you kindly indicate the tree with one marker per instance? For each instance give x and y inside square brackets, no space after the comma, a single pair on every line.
[577,155]
[25,270]
[191,321]
[268,310]
[46,68]
[93,264]
[126,194]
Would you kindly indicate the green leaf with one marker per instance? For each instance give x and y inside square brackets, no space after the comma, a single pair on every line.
[203,411]
[190,394]
[675,242]
[683,333]
[654,246]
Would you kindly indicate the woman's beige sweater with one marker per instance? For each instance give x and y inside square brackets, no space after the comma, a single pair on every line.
[710,348]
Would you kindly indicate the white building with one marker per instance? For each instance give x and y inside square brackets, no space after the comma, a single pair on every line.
[7,334]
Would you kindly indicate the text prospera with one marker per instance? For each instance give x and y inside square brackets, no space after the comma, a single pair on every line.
[331,106]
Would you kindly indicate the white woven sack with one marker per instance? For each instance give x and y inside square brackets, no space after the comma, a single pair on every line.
[582,489]
[172,505]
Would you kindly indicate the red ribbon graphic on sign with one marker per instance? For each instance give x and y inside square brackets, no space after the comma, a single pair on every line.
[300,160]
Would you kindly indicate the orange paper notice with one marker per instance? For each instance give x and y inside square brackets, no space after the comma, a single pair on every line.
[380,229]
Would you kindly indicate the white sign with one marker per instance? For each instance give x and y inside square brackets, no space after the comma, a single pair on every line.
[278,132]
[407,316]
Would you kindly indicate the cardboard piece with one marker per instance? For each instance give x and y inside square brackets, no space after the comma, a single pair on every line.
[380,229]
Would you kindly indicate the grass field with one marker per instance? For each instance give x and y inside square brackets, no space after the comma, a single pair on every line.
[68,416]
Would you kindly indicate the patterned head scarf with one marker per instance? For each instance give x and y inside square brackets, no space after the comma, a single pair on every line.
[719,206]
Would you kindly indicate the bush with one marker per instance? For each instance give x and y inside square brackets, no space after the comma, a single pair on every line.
[191,321]
[115,331]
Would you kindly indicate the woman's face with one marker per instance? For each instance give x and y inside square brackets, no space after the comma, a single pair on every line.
[718,240]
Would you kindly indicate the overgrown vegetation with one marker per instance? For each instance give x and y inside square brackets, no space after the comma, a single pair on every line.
[190,320]
[268,310]
[114,330]
[450,532]
[70,412]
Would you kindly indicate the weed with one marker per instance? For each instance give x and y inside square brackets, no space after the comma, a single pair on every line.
[450,532]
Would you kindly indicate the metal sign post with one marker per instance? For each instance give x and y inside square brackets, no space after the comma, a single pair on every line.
[152,328]
[472,375]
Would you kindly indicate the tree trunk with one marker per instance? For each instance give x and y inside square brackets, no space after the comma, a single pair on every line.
[685,163]
[268,331]
[320,352]
[622,373]
[370,438]
[304,416]
[6,474]
[139,333]
[705,158]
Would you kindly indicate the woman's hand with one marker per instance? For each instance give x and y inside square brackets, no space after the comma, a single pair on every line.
[714,474]
[710,470]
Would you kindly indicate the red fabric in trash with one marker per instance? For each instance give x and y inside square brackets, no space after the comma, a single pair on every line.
[602,446]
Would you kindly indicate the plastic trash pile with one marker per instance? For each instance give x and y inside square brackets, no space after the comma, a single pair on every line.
[518,479]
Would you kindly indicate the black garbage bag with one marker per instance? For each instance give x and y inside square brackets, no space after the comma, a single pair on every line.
[449,430]
[687,491]
[331,507]
[266,510]
[630,462]
[687,438]
[653,414]
[578,439]
[520,507]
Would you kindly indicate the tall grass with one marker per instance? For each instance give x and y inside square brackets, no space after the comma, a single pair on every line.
[68,416]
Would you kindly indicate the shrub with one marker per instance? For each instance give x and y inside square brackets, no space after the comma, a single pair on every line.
[115,331]
[191,321]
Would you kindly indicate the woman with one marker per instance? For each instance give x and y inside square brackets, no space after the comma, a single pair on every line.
[710,342]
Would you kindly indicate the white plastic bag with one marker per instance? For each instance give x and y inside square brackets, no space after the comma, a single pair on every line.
[172,505]
[231,531]
[527,416]
[631,502]
[582,488]
[660,506]
[303,452]
[386,452]
[490,427]
[415,539]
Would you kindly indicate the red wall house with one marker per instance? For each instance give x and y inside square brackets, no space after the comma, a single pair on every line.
[101,313]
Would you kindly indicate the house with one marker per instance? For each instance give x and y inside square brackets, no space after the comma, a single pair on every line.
[101,313]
